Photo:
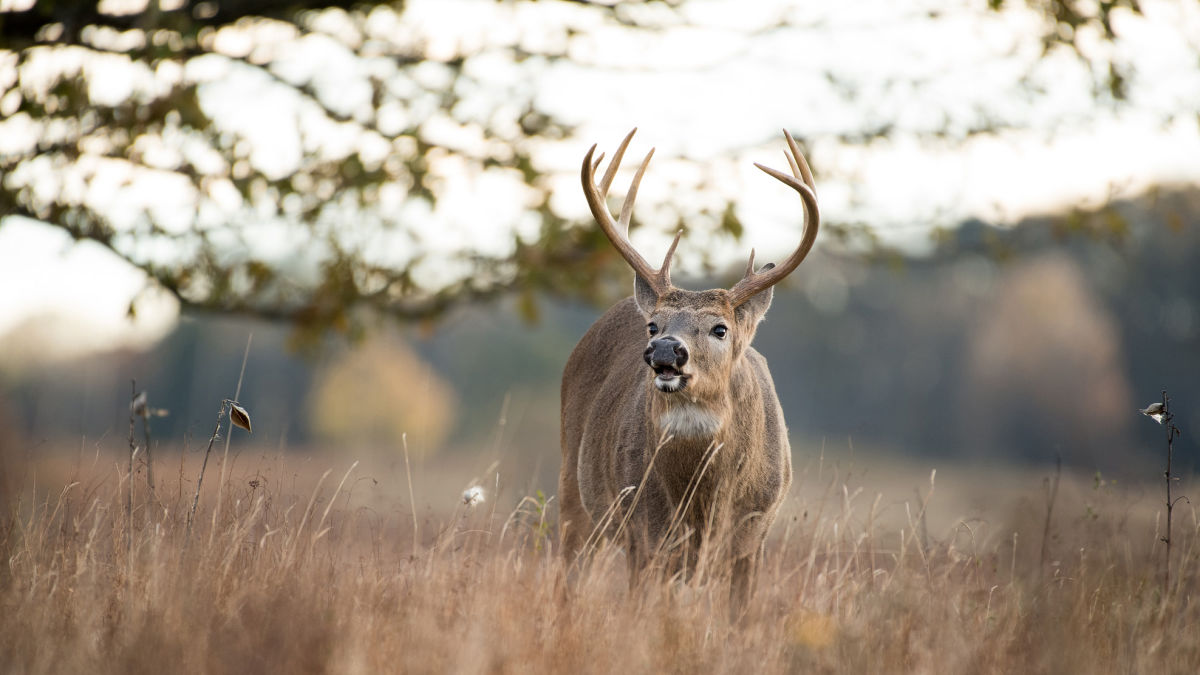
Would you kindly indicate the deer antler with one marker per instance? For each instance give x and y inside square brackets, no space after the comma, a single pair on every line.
[618,232]
[801,181]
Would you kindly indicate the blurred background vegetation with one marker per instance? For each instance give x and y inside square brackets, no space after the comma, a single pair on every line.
[296,170]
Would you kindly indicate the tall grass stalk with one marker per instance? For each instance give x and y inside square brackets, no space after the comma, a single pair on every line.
[191,519]
[1051,489]
[412,499]
[132,452]
[146,414]
[237,393]
[1169,478]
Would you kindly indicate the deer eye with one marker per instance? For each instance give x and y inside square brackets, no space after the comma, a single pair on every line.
[653,328]
[720,331]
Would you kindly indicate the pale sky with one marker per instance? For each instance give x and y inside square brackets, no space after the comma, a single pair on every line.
[712,104]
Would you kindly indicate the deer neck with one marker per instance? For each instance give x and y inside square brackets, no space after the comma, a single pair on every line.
[688,419]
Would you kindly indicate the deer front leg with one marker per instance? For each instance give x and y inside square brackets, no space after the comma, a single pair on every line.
[741,589]
[645,529]
[747,551]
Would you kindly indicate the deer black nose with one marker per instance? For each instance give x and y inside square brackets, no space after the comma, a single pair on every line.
[666,351]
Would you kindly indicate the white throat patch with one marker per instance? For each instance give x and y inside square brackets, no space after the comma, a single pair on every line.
[689,421]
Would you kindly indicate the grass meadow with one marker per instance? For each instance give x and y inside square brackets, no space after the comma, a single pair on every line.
[316,562]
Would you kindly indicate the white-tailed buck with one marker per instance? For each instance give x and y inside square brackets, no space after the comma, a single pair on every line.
[671,429]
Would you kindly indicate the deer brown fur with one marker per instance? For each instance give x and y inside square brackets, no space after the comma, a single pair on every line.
[691,451]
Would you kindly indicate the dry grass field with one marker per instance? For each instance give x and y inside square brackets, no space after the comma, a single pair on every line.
[292,569]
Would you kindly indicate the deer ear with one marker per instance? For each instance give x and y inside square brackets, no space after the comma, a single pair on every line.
[644,295]
[755,308]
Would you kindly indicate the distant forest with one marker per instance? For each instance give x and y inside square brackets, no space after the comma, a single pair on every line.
[1021,343]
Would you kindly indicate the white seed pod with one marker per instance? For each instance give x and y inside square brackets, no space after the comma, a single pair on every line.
[1154,411]
[138,405]
[473,495]
[239,416]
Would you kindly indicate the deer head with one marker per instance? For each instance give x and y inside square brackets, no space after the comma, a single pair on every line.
[695,339]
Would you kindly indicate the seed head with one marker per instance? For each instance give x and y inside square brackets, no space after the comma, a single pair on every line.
[138,405]
[239,416]
[473,495]
[1154,411]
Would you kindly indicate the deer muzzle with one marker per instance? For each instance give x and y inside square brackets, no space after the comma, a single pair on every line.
[667,357]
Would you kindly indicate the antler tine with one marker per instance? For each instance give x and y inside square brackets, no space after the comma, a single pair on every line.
[664,272]
[799,164]
[616,162]
[617,233]
[627,207]
[753,283]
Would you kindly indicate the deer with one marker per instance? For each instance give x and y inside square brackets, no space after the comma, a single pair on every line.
[671,429]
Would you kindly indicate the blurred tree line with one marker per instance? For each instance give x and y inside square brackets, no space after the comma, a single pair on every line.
[1006,343]
[86,134]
